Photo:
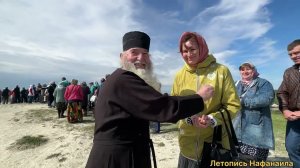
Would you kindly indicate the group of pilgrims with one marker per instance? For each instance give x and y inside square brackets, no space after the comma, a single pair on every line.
[54,95]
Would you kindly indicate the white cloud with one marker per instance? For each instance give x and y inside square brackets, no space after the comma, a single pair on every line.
[229,21]
[53,34]
[10,67]
[223,26]
[17,46]
[225,54]
[83,39]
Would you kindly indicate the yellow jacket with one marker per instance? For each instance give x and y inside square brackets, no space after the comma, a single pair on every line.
[187,81]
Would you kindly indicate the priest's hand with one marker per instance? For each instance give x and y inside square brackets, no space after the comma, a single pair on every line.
[201,121]
[206,92]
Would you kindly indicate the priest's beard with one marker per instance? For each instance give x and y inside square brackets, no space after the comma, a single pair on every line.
[146,74]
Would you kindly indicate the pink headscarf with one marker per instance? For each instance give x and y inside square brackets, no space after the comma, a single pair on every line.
[201,42]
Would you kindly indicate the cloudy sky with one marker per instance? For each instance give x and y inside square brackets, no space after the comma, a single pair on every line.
[41,41]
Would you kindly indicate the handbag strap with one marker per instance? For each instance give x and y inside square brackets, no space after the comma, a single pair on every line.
[231,134]
[217,134]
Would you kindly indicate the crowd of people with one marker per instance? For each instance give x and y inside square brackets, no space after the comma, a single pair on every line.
[202,90]
[30,94]
[53,94]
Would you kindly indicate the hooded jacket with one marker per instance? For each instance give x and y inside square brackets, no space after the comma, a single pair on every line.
[59,93]
[187,81]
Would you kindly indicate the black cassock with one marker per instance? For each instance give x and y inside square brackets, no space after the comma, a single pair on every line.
[124,107]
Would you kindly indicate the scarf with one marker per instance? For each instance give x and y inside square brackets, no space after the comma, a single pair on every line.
[201,43]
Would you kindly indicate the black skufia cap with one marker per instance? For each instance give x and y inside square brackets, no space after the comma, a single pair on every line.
[136,39]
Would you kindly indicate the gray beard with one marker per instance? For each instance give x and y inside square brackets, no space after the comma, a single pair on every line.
[146,74]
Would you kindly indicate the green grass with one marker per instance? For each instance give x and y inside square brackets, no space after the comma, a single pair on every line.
[161,144]
[40,115]
[29,142]
[279,124]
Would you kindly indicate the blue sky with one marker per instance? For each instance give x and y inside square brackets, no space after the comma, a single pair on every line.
[41,41]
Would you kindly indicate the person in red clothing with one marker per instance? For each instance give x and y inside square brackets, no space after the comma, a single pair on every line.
[74,92]
[74,98]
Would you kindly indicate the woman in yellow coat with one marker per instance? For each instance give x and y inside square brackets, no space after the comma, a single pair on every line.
[201,68]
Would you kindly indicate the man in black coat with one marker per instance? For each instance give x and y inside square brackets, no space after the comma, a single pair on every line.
[50,90]
[5,95]
[127,102]
[17,94]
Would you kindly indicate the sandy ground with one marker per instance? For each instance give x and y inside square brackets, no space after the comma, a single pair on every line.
[68,145]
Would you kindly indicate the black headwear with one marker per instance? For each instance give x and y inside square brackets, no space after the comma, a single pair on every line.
[136,39]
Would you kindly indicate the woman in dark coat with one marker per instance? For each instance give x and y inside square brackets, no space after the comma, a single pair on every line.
[86,91]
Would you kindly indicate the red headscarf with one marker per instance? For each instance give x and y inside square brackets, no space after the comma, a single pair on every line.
[201,43]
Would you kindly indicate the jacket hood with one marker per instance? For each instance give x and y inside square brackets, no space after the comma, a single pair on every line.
[209,60]
[201,43]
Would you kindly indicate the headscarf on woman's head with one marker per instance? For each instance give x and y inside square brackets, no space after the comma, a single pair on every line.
[203,49]
[96,84]
[250,65]
[83,83]
[74,82]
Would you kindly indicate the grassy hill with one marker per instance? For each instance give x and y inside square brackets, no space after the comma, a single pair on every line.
[279,124]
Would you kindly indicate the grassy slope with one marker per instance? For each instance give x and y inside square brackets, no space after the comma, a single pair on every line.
[279,124]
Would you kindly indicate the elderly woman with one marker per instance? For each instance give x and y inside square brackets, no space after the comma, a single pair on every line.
[86,91]
[74,97]
[60,101]
[253,125]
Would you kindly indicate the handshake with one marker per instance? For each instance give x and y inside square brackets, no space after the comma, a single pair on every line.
[201,121]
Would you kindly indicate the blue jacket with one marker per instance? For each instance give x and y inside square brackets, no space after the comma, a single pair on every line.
[253,124]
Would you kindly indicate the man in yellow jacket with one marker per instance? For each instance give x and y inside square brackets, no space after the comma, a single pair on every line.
[201,68]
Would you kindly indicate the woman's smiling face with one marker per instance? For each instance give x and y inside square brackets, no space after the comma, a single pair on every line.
[247,72]
[191,52]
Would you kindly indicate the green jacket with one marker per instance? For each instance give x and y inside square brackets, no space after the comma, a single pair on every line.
[187,81]
[59,93]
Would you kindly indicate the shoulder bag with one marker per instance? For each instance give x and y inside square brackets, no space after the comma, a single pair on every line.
[214,155]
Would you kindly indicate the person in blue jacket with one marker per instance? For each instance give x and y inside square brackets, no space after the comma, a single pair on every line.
[253,124]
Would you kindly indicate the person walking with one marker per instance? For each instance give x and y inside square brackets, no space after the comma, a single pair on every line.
[86,91]
[60,101]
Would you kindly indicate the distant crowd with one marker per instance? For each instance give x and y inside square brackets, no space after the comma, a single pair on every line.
[47,93]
